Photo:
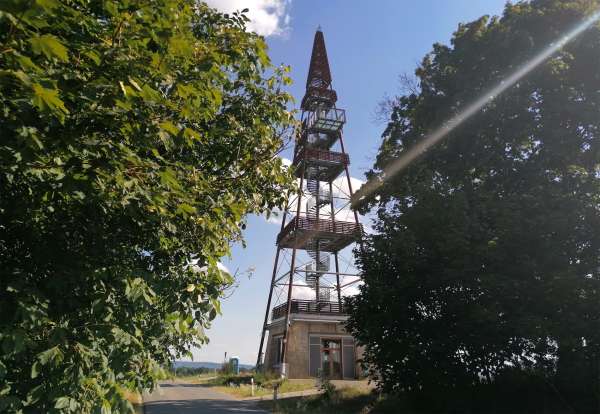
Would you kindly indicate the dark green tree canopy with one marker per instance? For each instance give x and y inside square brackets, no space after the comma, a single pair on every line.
[135,137]
[487,251]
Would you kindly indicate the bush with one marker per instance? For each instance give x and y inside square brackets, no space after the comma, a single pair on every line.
[330,392]
[189,371]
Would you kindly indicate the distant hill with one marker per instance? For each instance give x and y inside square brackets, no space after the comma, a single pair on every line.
[199,364]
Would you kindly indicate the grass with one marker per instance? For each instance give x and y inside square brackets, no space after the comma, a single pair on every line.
[245,390]
[197,378]
[344,400]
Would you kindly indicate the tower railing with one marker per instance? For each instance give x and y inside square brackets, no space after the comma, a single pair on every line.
[326,119]
[316,139]
[321,225]
[317,154]
[308,306]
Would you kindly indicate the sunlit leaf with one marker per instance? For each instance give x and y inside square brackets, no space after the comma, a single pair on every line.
[50,46]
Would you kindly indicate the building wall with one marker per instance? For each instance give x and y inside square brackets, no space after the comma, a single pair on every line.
[270,359]
[298,351]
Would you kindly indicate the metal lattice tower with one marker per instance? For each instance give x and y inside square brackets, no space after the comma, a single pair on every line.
[312,223]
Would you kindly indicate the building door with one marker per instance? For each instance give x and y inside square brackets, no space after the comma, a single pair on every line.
[331,358]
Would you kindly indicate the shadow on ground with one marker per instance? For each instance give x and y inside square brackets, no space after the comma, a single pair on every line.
[201,407]
[181,385]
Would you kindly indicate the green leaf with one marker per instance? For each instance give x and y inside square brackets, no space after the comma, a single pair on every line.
[186,209]
[48,5]
[50,46]
[27,64]
[180,46]
[22,76]
[105,408]
[191,134]
[169,127]
[35,369]
[95,57]
[61,402]
[35,394]
[51,355]
[47,100]
[169,179]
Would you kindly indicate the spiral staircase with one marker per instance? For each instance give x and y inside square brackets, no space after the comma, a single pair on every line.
[315,247]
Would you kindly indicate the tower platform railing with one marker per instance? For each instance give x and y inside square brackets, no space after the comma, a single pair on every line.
[339,234]
[308,306]
[326,119]
[321,140]
[320,156]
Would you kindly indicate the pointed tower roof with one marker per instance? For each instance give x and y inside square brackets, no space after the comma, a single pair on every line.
[318,82]
[319,74]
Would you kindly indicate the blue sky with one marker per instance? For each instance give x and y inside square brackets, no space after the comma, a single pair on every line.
[369,44]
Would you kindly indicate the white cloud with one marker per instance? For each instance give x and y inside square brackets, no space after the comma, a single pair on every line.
[223,267]
[340,185]
[267,17]
[195,267]
[302,291]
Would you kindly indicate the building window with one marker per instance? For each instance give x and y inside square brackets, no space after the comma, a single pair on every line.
[278,349]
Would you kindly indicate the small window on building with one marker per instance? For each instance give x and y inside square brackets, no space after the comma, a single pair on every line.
[279,349]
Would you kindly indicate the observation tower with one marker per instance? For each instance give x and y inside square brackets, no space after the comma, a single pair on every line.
[305,312]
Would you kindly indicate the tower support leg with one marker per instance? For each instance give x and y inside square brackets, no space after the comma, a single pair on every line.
[264,328]
[286,328]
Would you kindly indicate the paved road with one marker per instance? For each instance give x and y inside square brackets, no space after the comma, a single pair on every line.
[185,398]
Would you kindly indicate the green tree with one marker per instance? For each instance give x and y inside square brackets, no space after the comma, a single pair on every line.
[487,248]
[135,138]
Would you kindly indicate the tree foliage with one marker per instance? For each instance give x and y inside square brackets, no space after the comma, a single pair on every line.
[487,252]
[136,137]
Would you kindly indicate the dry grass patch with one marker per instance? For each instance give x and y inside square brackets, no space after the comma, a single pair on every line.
[245,390]
[135,399]
[197,379]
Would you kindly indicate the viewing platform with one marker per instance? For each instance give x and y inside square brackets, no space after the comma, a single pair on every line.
[308,306]
[321,140]
[336,234]
[328,165]
[326,120]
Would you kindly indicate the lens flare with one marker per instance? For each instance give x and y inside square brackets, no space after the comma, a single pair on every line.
[437,135]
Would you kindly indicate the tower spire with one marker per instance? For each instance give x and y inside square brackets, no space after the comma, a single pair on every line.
[319,74]
[318,82]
